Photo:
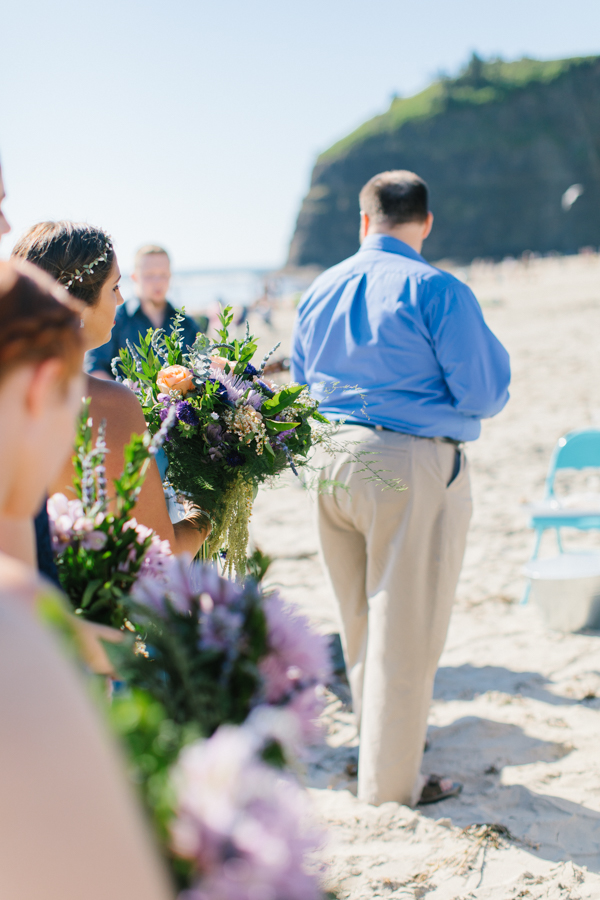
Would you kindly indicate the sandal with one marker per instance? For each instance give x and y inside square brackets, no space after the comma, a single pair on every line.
[433,793]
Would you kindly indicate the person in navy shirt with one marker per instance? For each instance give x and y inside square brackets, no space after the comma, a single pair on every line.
[399,351]
[152,276]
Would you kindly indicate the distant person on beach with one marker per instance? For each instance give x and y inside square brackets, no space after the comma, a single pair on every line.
[152,277]
[400,351]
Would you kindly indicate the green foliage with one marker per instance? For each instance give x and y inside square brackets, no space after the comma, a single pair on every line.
[153,742]
[257,564]
[98,578]
[479,82]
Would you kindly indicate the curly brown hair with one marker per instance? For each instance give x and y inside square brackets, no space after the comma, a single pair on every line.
[38,320]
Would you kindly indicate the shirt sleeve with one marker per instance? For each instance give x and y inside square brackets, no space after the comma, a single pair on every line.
[100,359]
[476,366]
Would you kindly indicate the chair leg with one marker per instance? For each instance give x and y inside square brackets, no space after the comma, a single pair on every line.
[558,541]
[527,591]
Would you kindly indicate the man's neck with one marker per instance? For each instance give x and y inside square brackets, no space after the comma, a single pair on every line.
[156,312]
[408,234]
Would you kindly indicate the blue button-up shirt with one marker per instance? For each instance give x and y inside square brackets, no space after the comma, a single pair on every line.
[131,322]
[385,338]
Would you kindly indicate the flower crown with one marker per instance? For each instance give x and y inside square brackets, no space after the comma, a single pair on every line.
[88,268]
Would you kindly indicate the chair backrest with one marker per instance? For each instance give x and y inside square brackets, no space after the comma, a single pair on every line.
[576,450]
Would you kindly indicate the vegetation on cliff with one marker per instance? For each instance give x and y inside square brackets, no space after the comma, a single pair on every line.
[499,145]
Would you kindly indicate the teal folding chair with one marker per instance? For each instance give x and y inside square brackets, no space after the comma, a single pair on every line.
[576,450]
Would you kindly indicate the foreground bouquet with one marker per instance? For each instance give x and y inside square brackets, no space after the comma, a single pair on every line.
[244,827]
[233,429]
[99,553]
[232,825]
[211,651]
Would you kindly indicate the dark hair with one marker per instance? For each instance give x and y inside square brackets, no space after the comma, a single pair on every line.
[38,320]
[394,198]
[70,252]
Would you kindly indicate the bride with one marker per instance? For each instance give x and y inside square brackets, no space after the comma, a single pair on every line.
[83,260]
[68,825]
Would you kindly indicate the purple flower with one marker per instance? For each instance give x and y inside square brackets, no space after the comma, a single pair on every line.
[94,540]
[214,433]
[234,458]
[282,437]
[174,586]
[157,559]
[183,582]
[245,825]
[236,387]
[186,413]
[220,627]
[255,399]
[266,388]
[69,523]
[297,665]
[250,370]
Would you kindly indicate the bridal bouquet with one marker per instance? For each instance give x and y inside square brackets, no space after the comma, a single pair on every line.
[100,554]
[233,430]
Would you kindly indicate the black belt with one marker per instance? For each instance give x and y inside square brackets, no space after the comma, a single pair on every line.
[445,440]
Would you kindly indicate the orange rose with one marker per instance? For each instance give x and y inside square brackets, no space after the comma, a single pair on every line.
[219,362]
[175,378]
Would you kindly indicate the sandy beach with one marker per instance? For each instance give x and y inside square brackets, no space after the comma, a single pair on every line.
[516,711]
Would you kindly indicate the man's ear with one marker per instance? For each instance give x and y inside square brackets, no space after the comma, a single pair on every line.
[134,276]
[44,381]
[428,225]
[364,226]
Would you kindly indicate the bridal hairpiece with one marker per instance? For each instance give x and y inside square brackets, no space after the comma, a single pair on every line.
[88,268]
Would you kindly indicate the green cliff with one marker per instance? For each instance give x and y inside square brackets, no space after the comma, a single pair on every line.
[498,145]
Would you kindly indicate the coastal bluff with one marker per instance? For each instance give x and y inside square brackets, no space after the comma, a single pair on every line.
[499,145]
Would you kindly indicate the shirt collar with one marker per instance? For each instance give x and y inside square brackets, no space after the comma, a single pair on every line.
[390,245]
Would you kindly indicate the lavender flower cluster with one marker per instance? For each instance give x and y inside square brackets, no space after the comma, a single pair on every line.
[245,825]
[69,524]
[297,663]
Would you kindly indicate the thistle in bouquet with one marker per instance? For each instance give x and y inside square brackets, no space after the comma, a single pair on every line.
[234,430]
[218,650]
[100,552]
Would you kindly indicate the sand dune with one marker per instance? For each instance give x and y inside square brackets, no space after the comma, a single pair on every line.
[516,713]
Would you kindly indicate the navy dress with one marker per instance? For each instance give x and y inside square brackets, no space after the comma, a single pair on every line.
[45,557]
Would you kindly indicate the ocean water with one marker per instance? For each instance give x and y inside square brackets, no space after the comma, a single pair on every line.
[200,291]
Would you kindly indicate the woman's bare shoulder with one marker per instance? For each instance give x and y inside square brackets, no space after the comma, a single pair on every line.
[115,402]
[111,392]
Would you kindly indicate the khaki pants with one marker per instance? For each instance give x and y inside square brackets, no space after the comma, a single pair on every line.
[393,560]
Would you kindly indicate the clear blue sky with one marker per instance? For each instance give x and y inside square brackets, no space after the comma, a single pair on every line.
[196,124]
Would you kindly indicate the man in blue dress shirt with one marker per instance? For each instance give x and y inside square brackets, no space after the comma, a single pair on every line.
[152,276]
[400,351]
